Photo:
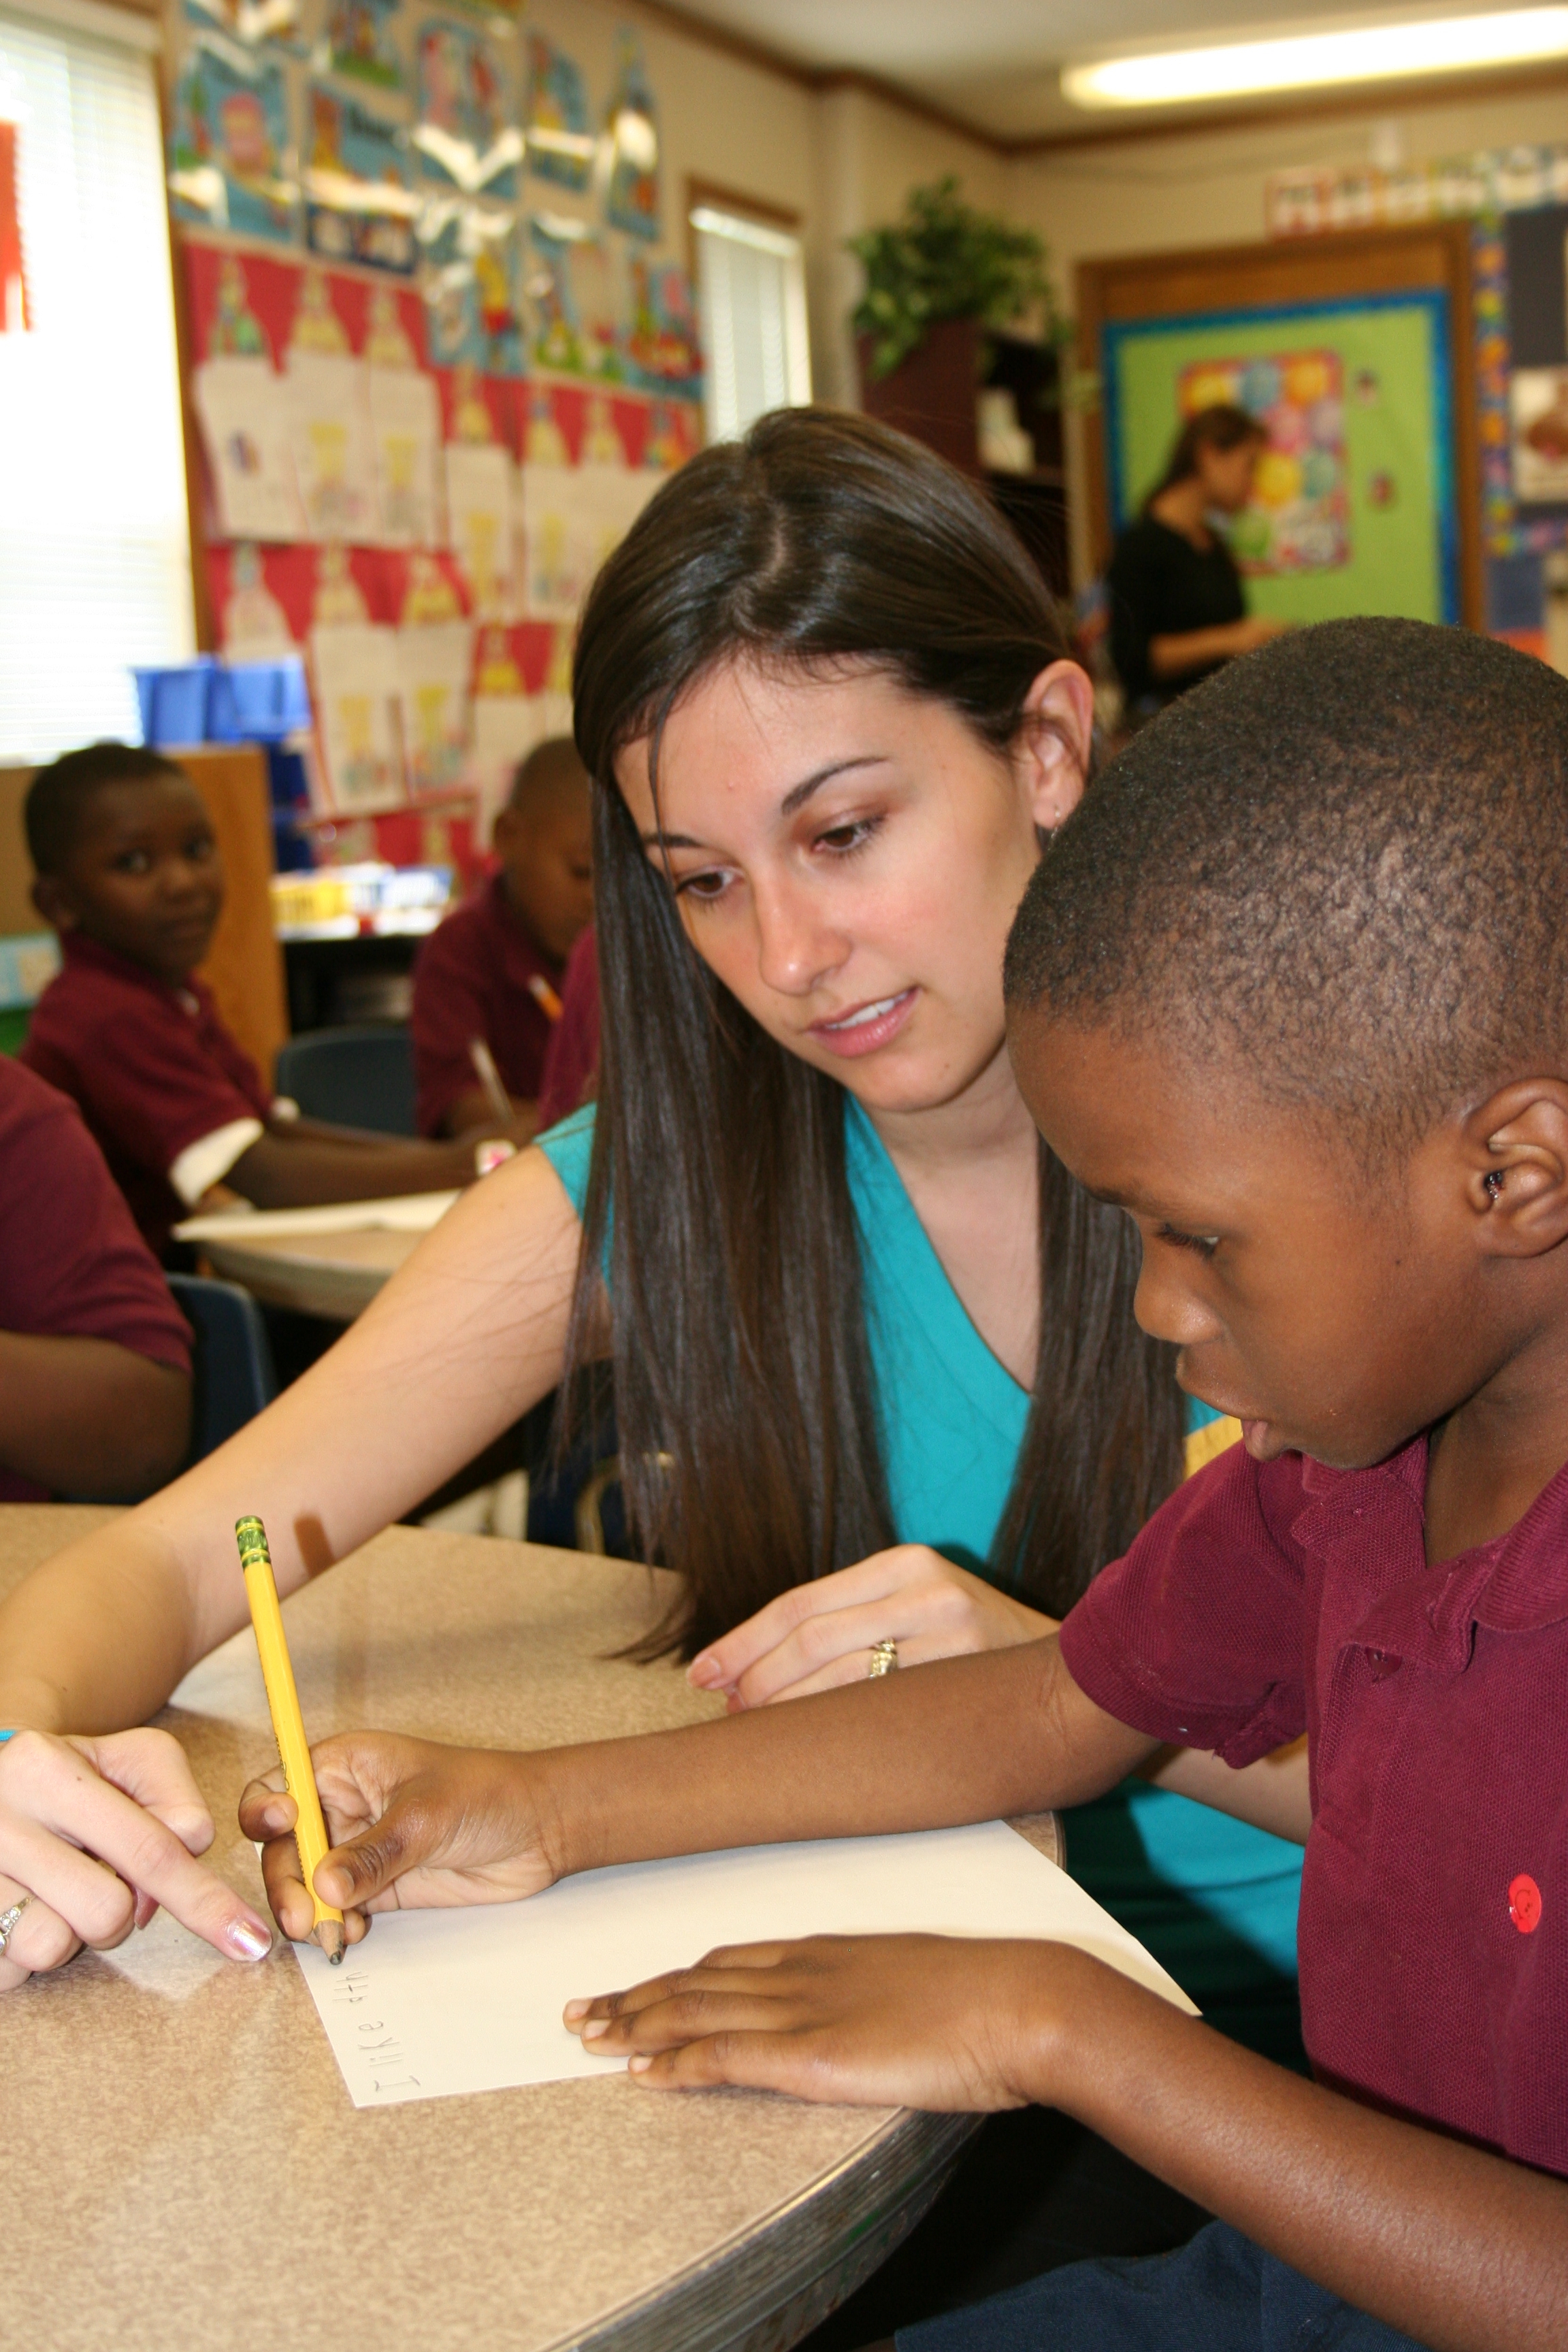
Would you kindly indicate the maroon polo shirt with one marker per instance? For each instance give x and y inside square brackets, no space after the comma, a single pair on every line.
[152,1066]
[1265,1600]
[72,1265]
[571,1058]
[472,980]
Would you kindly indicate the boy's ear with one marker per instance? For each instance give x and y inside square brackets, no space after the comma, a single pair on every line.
[1516,1181]
[1055,740]
[53,901]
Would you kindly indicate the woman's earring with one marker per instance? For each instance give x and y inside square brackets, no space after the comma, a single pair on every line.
[1492,1180]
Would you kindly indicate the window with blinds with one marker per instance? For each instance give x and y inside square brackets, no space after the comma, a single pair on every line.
[751,292]
[95,568]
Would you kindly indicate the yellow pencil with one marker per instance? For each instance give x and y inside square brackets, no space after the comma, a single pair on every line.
[289,1726]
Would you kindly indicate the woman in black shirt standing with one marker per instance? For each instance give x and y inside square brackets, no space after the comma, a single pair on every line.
[1177,608]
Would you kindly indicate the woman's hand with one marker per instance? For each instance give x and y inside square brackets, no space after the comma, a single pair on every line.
[414,1826]
[96,1833]
[817,1636]
[935,2021]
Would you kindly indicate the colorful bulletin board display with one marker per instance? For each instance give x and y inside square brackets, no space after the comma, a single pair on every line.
[1353,507]
[426,409]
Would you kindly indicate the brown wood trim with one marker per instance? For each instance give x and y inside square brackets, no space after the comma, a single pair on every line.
[908,101]
[1305,270]
[731,199]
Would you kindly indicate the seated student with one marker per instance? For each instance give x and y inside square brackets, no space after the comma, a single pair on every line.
[1292,991]
[95,1357]
[572,1056]
[493,971]
[129,875]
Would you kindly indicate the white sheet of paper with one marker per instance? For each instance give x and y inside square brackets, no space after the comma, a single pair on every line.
[400,1212]
[435,2003]
[479,523]
[245,416]
[434,665]
[333,445]
[354,674]
[573,517]
[405,423]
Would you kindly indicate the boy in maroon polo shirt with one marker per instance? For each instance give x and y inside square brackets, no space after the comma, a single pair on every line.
[95,1357]
[129,875]
[1291,988]
[493,971]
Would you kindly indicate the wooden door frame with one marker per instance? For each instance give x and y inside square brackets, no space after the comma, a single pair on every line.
[1425,257]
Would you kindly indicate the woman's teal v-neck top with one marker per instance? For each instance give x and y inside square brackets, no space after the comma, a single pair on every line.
[1213,1898]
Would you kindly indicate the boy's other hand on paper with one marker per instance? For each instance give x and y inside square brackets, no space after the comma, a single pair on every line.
[944,2022]
[414,1826]
[816,1635]
[95,1834]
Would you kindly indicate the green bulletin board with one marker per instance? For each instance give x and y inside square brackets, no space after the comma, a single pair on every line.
[1379,535]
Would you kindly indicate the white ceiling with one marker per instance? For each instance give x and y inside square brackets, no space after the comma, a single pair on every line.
[995,62]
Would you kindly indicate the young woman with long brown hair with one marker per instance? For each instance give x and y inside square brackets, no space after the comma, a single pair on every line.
[880,1391]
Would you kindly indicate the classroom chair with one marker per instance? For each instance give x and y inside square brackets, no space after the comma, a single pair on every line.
[354,1078]
[233,1375]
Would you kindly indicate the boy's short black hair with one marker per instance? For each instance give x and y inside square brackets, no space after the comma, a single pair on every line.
[58,795]
[1343,860]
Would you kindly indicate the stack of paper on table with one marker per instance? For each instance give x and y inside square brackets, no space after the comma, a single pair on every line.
[404,1212]
[434,2002]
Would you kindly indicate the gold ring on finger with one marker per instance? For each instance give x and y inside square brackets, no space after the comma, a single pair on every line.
[8,1922]
[884,1659]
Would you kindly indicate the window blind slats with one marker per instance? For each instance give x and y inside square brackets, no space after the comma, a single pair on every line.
[94,551]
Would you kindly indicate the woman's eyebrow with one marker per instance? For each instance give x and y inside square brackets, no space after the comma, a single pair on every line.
[794,800]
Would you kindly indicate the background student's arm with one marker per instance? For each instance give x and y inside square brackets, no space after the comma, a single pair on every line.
[1272,1794]
[413,1823]
[1463,2250]
[462,1341]
[286,1170]
[88,1417]
[1176,656]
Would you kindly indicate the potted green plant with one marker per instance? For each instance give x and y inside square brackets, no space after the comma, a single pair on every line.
[937,282]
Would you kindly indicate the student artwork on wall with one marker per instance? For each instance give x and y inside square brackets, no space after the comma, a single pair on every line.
[1299,516]
[574,304]
[277,24]
[557,122]
[361,43]
[1355,506]
[466,131]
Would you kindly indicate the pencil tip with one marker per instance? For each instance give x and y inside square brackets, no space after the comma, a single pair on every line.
[329,1935]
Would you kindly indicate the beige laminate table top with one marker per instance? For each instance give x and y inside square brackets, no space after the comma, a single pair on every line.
[332,1274]
[182,2163]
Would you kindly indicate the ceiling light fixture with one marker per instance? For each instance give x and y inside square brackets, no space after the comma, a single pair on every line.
[1431,45]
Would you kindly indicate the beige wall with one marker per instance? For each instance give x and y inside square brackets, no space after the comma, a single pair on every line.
[1146,195]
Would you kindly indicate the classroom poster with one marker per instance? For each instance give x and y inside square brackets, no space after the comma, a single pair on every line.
[573,288]
[473,289]
[253,22]
[361,43]
[663,346]
[632,199]
[1299,516]
[465,129]
[359,204]
[1537,411]
[557,122]
[232,160]
[1391,442]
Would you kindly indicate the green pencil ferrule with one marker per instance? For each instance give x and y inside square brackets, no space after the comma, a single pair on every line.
[251,1538]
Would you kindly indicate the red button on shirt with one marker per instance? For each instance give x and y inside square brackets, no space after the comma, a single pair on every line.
[1253,1607]
[472,980]
[72,1265]
[153,1068]
[1524,1904]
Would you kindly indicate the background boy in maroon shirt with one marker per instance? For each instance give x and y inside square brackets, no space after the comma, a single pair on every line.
[493,971]
[129,875]
[1291,988]
[95,1357]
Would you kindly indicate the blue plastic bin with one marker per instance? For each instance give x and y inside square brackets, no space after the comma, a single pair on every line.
[257,702]
[174,702]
